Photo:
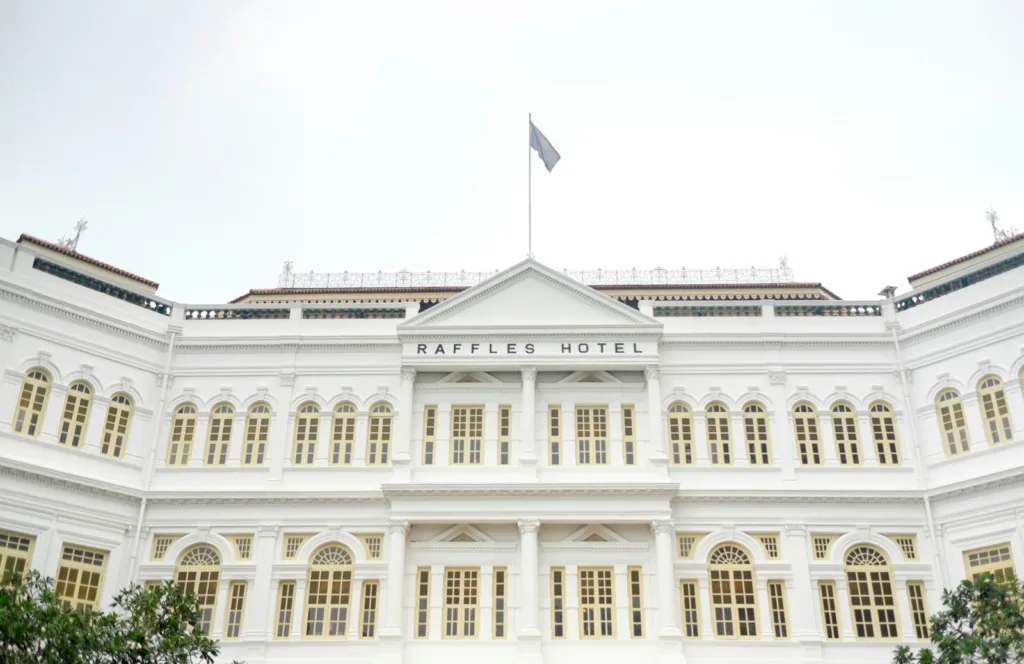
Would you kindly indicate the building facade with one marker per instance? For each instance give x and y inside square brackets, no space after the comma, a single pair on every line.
[522,469]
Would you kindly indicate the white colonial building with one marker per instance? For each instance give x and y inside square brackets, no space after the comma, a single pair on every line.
[429,468]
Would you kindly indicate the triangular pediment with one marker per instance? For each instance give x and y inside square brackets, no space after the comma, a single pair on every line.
[529,295]
[463,534]
[463,377]
[595,534]
[591,377]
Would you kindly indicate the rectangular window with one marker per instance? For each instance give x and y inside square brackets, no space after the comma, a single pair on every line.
[915,590]
[591,435]
[690,609]
[504,434]
[115,430]
[597,605]
[770,543]
[161,543]
[500,602]
[996,560]
[243,546]
[76,415]
[218,438]
[805,422]
[236,609]
[777,596]
[467,435]
[292,544]
[429,434]
[821,545]
[629,435]
[635,577]
[907,544]
[368,617]
[15,553]
[423,603]
[373,545]
[80,577]
[285,605]
[461,601]
[555,435]
[686,543]
[343,434]
[557,603]
[257,433]
[829,612]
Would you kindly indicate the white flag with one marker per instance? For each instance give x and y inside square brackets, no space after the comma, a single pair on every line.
[548,154]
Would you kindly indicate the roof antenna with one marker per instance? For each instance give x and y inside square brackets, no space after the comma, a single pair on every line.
[71,243]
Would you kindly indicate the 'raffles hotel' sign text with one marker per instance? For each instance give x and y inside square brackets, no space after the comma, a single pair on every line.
[533,348]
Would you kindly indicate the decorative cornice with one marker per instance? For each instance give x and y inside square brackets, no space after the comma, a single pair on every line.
[7,333]
[66,482]
[632,490]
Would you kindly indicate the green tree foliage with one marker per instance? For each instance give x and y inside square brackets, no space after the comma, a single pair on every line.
[982,623]
[144,626]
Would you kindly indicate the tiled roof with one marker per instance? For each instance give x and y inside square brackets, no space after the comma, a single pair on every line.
[458,289]
[973,254]
[86,259]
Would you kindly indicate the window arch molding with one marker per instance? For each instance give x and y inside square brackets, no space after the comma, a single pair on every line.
[348,396]
[203,406]
[108,393]
[986,371]
[261,397]
[804,396]
[845,398]
[220,543]
[758,397]
[377,397]
[89,378]
[305,398]
[844,544]
[946,383]
[316,542]
[718,398]
[713,540]
[680,396]
[42,361]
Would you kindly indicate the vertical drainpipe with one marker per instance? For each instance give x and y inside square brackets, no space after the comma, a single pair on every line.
[908,401]
[133,564]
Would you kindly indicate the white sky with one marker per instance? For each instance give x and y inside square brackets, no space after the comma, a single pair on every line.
[206,142]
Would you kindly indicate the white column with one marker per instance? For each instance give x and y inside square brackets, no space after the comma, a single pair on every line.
[1016,405]
[489,445]
[486,610]
[766,631]
[527,616]
[256,626]
[827,435]
[976,425]
[359,444]
[323,440]
[220,609]
[299,608]
[572,603]
[528,435]
[197,455]
[907,632]
[356,612]
[616,453]
[623,611]
[443,435]
[802,605]
[704,605]
[658,442]
[400,457]
[568,435]
[668,593]
[843,608]
[738,436]
[868,453]
[397,531]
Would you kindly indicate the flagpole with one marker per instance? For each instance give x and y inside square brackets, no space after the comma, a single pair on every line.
[529,187]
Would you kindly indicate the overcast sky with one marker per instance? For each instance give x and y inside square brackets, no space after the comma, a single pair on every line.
[206,142]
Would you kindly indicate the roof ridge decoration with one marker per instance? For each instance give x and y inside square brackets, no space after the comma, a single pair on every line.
[967,257]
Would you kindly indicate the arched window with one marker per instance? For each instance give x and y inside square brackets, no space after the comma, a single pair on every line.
[76,414]
[183,430]
[343,433]
[998,427]
[115,428]
[883,431]
[28,414]
[872,605]
[378,440]
[218,438]
[952,423]
[719,442]
[198,573]
[844,426]
[329,593]
[257,432]
[808,443]
[680,433]
[759,442]
[307,429]
[733,601]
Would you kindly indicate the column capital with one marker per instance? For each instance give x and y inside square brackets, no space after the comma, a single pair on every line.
[659,526]
[408,374]
[528,525]
[398,527]
[267,531]
[529,373]
[652,372]
[796,530]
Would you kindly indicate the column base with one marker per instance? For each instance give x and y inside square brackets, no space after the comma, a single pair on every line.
[529,648]
[401,465]
[670,643]
[391,647]
[810,648]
